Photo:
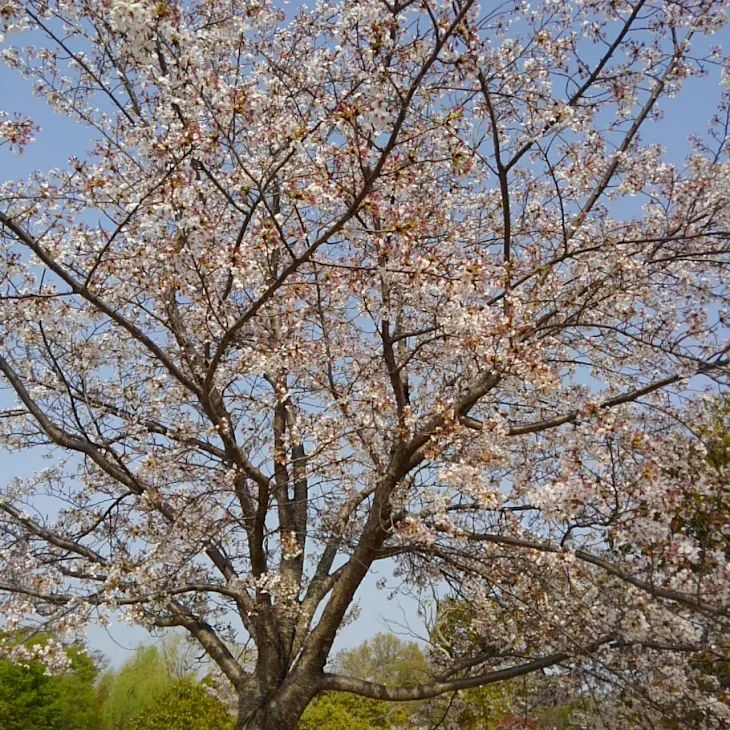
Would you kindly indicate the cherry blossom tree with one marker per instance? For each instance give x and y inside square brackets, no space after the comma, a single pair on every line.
[373,283]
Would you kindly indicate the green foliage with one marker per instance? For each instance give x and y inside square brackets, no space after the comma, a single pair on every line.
[137,685]
[134,687]
[32,700]
[28,699]
[342,711]
[79,697]
[454,629]
[385,659]
[490,706]
[703,515]
[480,708]
[718,436]
[185,705]
[565,716]
[179,654]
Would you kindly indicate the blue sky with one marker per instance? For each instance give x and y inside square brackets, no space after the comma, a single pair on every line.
[60,137]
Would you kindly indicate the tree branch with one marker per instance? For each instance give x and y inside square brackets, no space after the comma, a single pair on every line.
[433,689]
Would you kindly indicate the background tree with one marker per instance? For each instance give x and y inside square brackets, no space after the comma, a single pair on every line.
[181,657]
[185,705]
[128,692]
[479,708]
[131,689]
[384,659]
[33,699]
[342,711]
[369,281]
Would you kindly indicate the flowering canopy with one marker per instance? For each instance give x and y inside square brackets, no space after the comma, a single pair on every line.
[366,281]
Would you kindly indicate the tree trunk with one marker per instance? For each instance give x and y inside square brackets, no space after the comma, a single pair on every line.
[263,719]
[279,709]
